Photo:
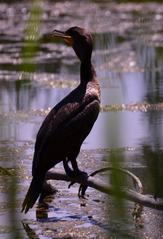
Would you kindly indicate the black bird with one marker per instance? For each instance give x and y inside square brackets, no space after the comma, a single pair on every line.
[70,121]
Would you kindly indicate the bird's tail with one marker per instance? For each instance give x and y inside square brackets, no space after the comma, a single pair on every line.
[33,193]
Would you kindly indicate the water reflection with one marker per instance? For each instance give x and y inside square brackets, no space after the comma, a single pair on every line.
[128,59]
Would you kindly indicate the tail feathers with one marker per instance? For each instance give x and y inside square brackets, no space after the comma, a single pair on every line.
[32,194]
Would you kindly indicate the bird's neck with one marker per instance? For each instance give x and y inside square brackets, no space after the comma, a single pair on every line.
[87,72]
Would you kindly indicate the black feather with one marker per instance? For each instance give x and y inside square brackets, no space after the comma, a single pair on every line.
[33,193]
[69,122]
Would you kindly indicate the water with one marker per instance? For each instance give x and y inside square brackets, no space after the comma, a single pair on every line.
[128,60]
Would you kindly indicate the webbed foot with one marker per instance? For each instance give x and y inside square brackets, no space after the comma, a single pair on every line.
[76,173]
[82,190]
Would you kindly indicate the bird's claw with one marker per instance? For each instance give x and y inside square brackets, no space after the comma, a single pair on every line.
[72,183]
[82,190]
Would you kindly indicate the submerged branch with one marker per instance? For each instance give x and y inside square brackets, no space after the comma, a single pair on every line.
[144,200]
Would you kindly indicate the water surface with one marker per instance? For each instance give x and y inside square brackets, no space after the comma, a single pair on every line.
[128,46]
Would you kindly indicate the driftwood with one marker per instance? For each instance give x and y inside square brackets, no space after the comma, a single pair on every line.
[90,181]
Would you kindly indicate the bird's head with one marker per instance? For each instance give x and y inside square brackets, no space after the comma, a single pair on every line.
[79,39]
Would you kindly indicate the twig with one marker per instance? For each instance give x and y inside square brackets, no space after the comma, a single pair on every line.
[133,176]
[145,200]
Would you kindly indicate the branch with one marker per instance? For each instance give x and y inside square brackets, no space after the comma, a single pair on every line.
[144,200]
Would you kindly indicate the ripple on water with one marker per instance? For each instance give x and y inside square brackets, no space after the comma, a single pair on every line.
[127,55]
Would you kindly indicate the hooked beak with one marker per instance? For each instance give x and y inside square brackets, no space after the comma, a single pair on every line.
[59,34]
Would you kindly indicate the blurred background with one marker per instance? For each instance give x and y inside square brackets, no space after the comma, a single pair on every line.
[34,76]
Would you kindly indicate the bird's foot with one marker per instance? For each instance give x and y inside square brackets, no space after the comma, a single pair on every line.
[78,173]
[82,190]
[67,169]
[83,187]
[75,172]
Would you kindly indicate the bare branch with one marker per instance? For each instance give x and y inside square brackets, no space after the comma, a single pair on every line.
[144,200]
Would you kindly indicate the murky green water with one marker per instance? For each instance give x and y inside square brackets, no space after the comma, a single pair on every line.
[129,63]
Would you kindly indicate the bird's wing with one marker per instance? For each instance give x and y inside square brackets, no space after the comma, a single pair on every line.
[54,124]
[54,121]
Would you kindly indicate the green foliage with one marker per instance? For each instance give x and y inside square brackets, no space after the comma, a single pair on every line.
[30,44]
[118,181]
[28,52]
[12,199]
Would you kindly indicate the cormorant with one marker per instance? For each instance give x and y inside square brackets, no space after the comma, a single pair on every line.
[70,121]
